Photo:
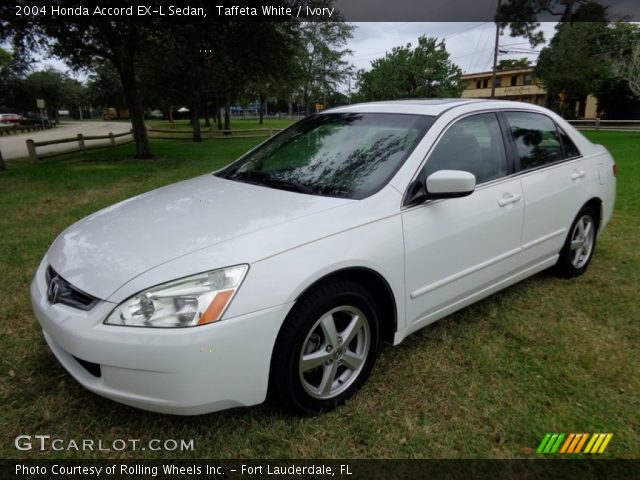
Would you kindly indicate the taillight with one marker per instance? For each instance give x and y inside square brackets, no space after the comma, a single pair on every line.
[615,169]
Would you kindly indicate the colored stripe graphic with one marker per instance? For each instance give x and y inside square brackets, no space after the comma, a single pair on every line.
[584,439]
[567,443]
[556,446]
[576,442]
[543,443]
[572,443]
[590,444]
[605,442]
[550,443]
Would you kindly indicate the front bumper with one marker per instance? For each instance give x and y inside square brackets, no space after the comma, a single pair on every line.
[185,371]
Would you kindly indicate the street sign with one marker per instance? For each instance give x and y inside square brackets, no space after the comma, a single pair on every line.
[40,102]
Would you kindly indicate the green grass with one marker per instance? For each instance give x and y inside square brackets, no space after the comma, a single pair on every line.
[236,123]
[546,355]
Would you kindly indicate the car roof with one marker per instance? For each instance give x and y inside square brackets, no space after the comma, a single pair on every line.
[434,106]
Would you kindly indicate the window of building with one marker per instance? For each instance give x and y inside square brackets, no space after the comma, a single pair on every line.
[485,83]
[473,144]
[528,79]
[478,83]
[536,138]
[498,82]
[514,80]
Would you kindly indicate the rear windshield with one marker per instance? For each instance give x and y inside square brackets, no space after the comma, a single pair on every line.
[350,155]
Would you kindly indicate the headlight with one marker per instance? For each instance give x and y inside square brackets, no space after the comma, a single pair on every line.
[187,302]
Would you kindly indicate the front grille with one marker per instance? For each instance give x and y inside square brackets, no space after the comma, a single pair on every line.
[61,291]
[93,368]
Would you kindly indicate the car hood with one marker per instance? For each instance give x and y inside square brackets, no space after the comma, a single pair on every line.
[109,248]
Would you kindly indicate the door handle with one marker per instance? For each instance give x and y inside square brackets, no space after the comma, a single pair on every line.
[508,198]
[578,175]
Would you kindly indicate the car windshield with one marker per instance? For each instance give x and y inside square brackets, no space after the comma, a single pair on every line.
[350,155]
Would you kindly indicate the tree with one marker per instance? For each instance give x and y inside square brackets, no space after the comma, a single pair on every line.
[580,60]
[13,69]
[523,16]
[569,73]
[321,65]
[51,85]
[629,69]
[104,87]
[195,67]
[625,58]
[425,71]
[512,63]
[83,41]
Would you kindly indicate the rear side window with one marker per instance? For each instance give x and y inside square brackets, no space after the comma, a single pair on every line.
[570,149]
[536,138]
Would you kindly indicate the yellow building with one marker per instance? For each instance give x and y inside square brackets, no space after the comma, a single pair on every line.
[519,85]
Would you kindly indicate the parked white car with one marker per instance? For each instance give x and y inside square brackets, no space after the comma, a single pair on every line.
[284,271]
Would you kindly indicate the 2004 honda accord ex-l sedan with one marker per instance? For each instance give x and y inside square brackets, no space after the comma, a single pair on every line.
[284,271]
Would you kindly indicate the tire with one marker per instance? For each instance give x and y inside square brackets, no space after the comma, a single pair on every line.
[577,252]
[326,348]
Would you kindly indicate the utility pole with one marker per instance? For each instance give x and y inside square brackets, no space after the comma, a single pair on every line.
[495,53]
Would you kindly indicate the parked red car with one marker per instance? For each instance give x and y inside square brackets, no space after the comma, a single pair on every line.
[11,118]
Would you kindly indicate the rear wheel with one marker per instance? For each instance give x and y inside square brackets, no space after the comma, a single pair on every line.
[326,348]
[578,249]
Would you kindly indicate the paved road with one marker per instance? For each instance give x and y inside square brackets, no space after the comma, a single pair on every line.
[14,146]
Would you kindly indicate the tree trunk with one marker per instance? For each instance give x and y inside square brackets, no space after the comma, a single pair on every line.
[3,167]
[218,114]
[197,136]
[227,115]
[207,121]
[307,107]
[262,102]
[136,113]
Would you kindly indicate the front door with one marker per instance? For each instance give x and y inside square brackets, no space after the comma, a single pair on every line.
[456,248]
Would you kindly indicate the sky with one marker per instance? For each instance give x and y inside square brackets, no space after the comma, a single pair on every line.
[470,44]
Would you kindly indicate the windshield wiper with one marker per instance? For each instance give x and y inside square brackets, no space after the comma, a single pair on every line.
[261,178]
[286,185]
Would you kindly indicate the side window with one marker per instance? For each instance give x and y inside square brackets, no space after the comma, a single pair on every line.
[570,149]
[536,139]
[473,144]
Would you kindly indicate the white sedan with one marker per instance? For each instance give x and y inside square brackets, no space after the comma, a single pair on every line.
[284,271]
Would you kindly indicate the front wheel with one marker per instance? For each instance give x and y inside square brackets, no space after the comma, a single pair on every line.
[326,348]
[579,246]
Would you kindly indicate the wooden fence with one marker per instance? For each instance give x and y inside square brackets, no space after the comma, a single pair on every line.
[15,128]
[80,138]
[213,133]
[597,124]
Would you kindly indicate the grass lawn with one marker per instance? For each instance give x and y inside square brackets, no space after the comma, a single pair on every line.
[238,123]
[546,355]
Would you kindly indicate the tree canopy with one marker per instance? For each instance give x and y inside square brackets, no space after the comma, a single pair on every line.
[124,42]
[424,71]
[523,16]
[321,65]
[581,59]
[513,63]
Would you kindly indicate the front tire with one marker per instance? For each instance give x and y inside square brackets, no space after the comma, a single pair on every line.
[577,252]
[326,348]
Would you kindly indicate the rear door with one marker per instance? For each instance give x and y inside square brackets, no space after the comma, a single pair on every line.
[553,182]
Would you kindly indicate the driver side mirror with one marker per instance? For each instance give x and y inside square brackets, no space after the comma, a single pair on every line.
[441,184]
